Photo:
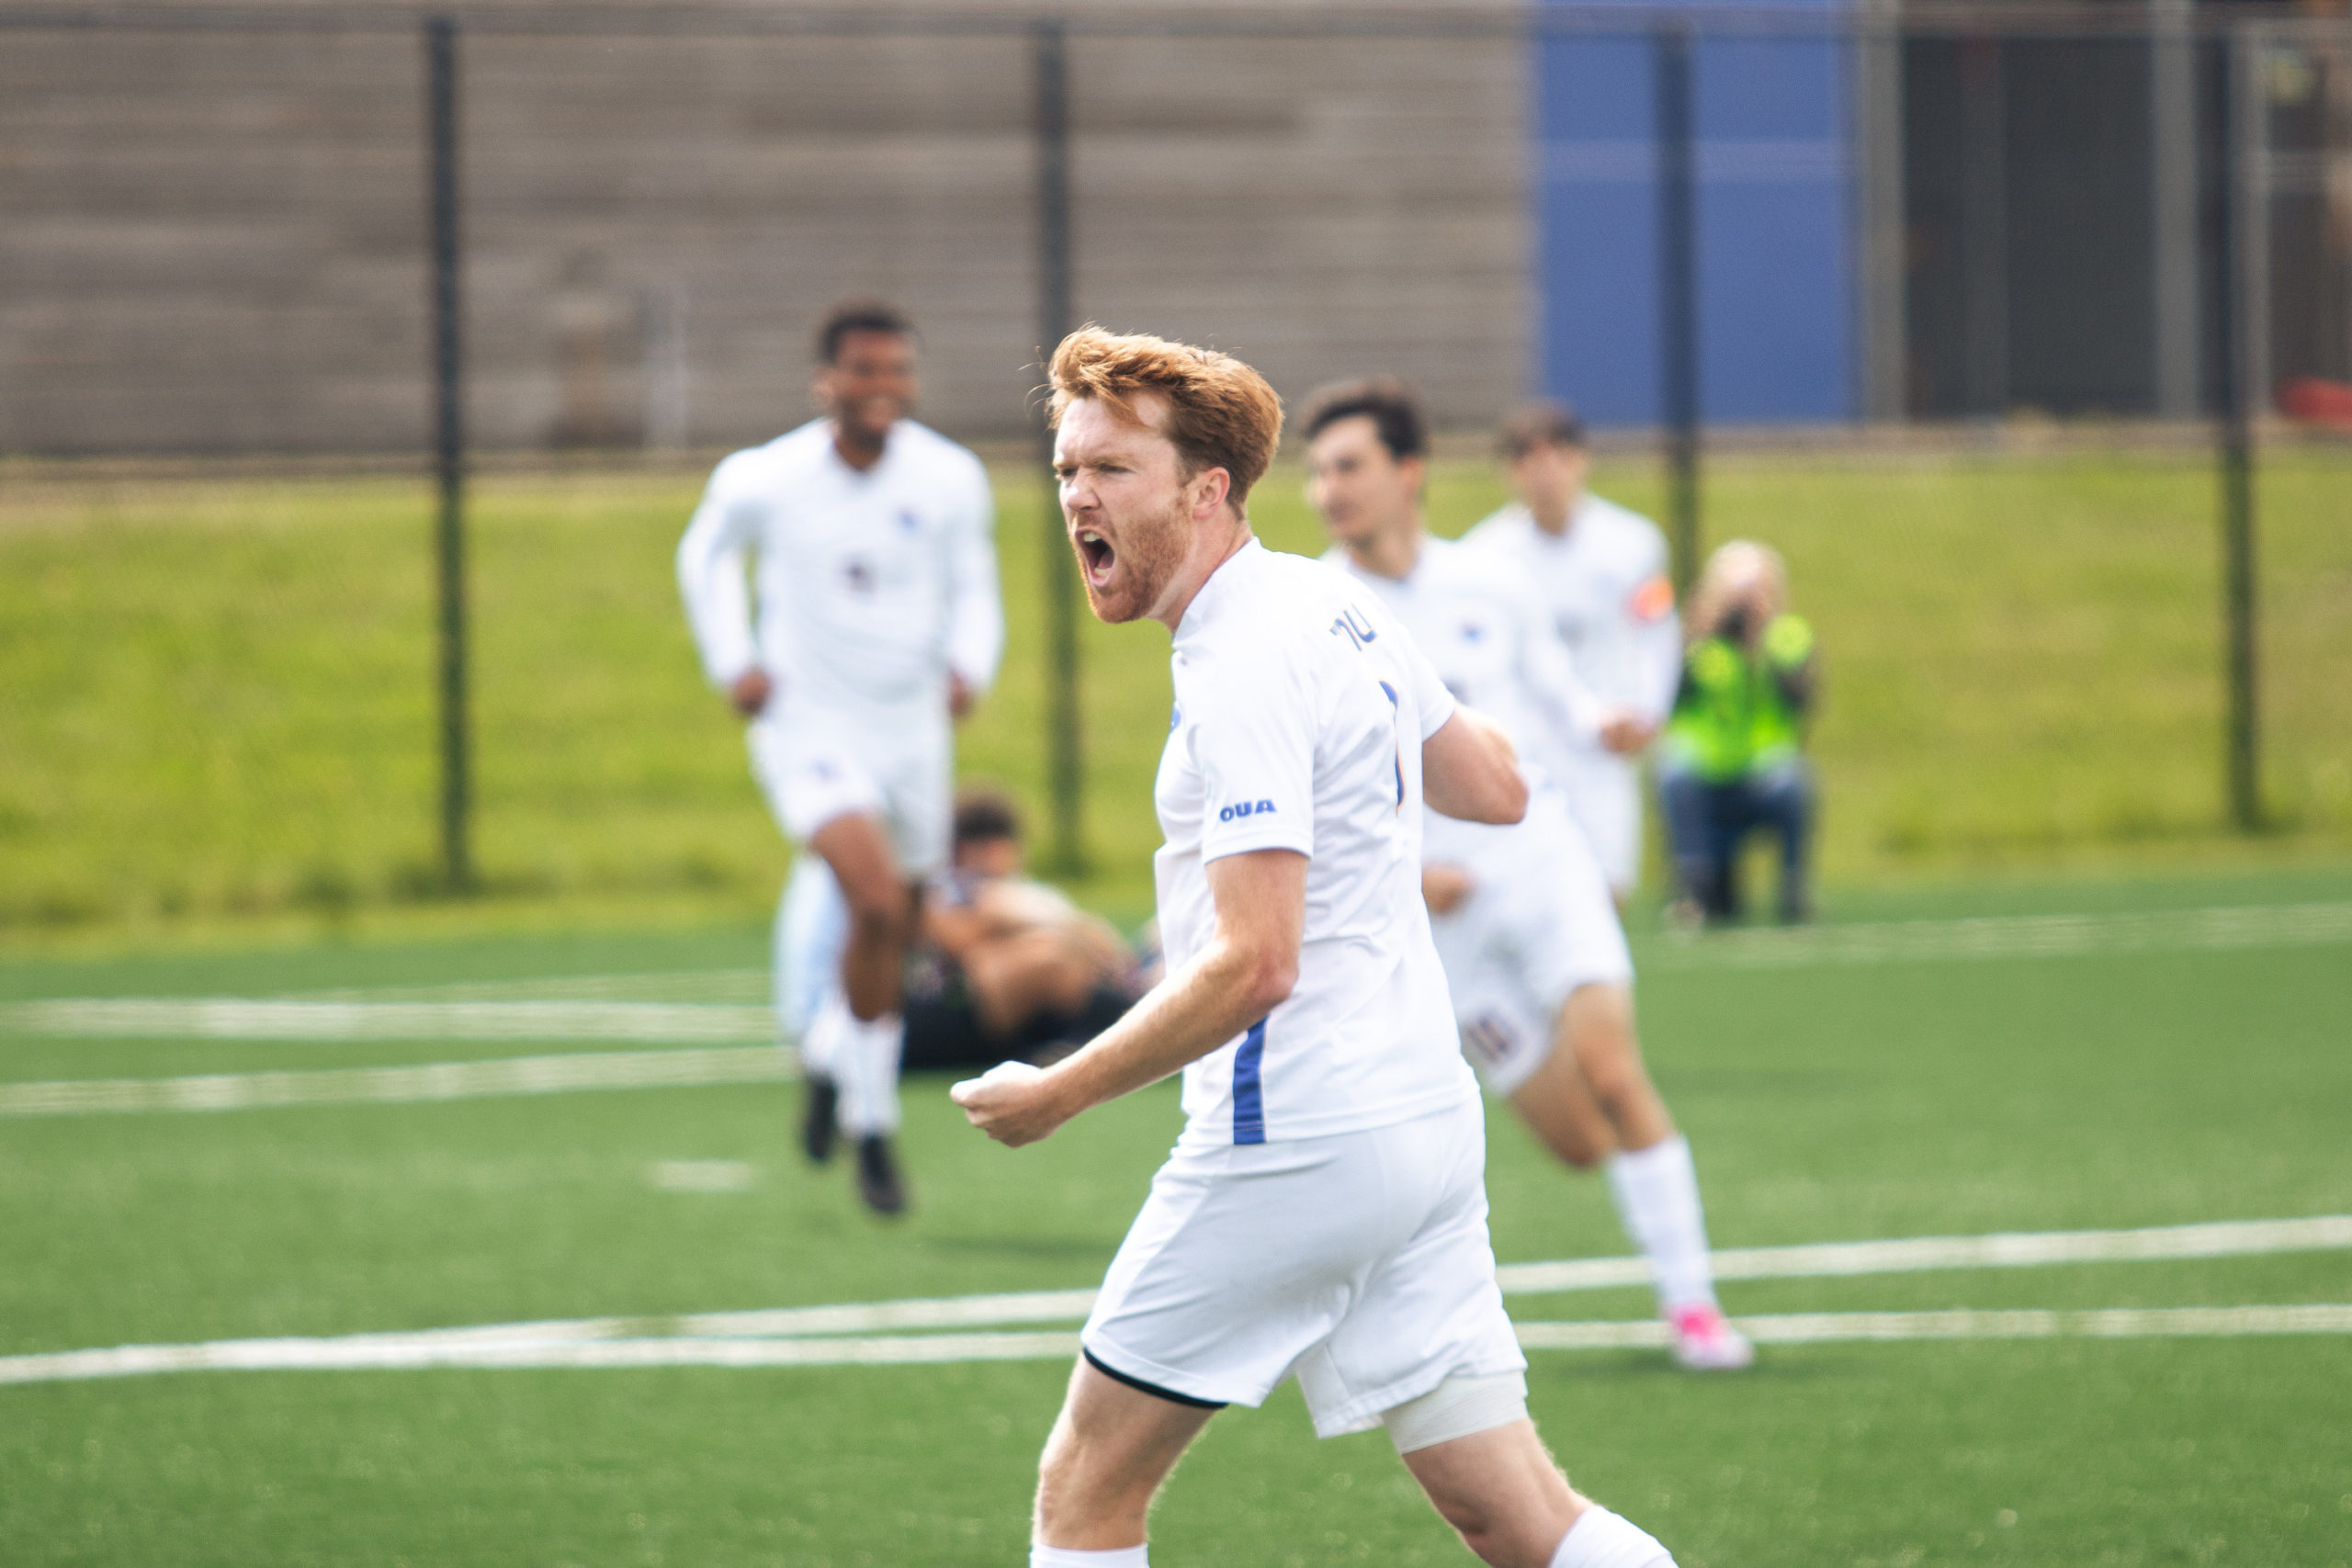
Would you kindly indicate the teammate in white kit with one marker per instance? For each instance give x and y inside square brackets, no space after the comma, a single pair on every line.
[1535,958]
[878,625]
[1601,571]
[1324,1212]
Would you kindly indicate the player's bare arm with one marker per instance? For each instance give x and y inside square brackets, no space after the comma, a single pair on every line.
[1443,888]
[1470,771]
[1246,970]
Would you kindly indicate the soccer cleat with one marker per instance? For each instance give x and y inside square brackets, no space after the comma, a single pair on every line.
[1705,1341]
[878,1177]
[820,1113]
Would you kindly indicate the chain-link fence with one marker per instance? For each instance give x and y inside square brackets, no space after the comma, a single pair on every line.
[349,233]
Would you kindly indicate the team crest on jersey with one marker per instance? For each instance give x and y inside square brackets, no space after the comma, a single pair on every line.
[1473,632]
[859,573]
[908,520]
[1653,600]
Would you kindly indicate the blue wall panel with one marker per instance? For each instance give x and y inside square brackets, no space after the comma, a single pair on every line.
[1775,226]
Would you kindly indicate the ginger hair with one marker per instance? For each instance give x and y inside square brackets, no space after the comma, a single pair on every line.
[1221,413]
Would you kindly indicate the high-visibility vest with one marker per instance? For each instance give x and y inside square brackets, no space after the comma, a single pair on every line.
[1734,714]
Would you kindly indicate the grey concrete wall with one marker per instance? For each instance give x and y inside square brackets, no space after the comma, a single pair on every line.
[215,240]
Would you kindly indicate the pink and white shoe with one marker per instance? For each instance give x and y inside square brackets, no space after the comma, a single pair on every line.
[1705,1341]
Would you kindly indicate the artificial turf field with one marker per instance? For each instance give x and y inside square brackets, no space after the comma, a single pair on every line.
[2134,1068]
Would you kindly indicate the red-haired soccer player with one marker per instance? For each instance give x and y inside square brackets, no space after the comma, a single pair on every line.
[1324,1213]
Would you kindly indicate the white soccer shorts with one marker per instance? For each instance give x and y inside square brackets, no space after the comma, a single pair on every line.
[1359,1262]
[1537,925]
[1605,794]
[814,768]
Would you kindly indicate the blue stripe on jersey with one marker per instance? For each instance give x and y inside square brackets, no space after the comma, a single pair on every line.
[1395,708]
[1248,1094]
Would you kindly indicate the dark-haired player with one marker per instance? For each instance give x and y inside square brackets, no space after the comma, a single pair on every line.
[1535,960]
[1601,573]
[878,626]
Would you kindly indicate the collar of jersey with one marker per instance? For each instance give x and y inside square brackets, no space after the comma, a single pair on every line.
[1203,607]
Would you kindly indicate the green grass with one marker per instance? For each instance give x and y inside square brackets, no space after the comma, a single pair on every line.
[1931,1098]
[217,718]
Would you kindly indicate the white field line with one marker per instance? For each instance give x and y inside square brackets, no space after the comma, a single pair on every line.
[745,988]
[2229,1238]
[821,1335]
[2010,936]
[411,1352]
[724,1005]
[1837,1327]
[428,1081]
[281,1018]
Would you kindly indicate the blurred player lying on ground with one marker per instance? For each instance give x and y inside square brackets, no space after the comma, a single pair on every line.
[879,627]
[1008,969]
[1535,959]
[1324,1212]
[1733,760]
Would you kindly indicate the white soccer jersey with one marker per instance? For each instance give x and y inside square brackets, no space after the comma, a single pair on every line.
[1604,584]
[1301,707]
[873,585]
[1493,646]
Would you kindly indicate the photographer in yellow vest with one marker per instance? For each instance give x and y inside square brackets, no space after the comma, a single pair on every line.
[1732,759]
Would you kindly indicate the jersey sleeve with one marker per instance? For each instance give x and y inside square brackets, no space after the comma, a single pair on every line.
[1654,636]
[1431,700]
[975,606]
[711,580]
[1253,742]
[1547,670]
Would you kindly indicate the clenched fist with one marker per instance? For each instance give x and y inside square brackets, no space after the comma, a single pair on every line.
[1012,1102]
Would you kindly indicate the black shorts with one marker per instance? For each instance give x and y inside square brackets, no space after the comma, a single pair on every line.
[945,1031]
[942,1025]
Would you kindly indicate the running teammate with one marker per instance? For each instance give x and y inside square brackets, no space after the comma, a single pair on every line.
[1324,1212]
[878,624]
[1534,957]
[1601,573]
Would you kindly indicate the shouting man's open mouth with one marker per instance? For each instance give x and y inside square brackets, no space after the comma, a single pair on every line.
[1096,556]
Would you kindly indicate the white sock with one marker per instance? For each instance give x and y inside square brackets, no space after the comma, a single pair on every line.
[865,1064]
[1657,1190]
[811,927]
[822,1043]
[1067,1557]
[1602,1540]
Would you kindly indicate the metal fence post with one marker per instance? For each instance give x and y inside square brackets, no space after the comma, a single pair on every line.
[2173,239]
[1984,224]
[2239,210]
[1679,294]
[450,447]
[1877,43]
[1065,757]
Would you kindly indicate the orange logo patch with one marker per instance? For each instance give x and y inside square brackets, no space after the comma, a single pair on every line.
[1653,600]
